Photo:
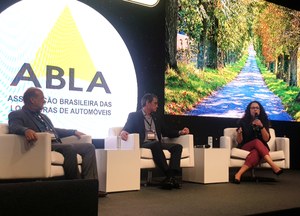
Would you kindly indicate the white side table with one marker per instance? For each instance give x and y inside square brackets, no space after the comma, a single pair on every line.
[118,170]
[211,166]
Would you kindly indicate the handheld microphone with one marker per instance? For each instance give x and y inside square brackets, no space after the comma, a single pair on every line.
[255,127]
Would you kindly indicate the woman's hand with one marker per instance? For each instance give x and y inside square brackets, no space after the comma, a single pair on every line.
[258,123]
[239,137]
[239,130]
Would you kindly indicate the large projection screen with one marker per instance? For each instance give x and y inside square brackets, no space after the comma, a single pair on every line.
[230,53]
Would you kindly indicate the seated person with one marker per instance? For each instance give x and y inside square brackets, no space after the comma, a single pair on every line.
[253,135]
[151,127]
[29,120]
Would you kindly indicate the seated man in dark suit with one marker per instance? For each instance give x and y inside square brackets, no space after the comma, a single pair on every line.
[151,127]
[30,120]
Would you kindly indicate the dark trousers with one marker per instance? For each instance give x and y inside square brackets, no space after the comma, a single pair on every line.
[159,157]
[70,151]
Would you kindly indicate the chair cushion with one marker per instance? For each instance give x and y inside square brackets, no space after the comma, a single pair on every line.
[58,159]
[242,154]
[147,154]
[239,153]
[57,170]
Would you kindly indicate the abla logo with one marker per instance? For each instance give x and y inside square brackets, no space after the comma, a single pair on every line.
[59,76]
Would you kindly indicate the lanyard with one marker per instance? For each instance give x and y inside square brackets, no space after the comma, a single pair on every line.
[47,126]
[149,123]
[42,121]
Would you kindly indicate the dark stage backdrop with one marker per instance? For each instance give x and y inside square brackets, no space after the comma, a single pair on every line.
[143,32]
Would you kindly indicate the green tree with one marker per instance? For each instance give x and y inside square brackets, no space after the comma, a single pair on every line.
[277,39]
[212,26]
[171,32]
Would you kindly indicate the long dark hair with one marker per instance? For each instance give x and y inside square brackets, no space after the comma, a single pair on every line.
[263,117]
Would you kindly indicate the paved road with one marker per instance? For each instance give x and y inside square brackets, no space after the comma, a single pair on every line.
[231,100]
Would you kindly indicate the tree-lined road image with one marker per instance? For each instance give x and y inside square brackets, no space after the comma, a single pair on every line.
[231,100]
[206,73]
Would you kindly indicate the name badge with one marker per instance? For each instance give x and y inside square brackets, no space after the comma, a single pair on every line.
[150,135]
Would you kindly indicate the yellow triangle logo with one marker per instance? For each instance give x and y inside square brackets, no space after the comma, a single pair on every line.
[64,48]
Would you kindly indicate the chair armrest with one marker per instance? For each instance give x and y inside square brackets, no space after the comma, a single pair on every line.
[18,159]
[76,140]
[187,141]
[225,142]
[3,128]
[133,142]
[283,143]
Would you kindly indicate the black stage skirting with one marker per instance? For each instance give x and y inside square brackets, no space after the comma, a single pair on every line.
[55,198]
[290,212]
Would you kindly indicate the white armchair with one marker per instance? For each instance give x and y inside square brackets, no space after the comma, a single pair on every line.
[279,150]
[146,159]
[18,160]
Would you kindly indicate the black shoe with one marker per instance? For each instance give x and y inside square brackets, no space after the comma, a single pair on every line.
[236,181]
[167,184]
[175,183]
[278,172]
[102,194]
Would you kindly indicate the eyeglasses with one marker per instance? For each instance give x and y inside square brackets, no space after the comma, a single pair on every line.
[254,108]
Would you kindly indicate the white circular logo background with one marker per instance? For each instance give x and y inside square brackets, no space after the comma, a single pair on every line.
[75,56]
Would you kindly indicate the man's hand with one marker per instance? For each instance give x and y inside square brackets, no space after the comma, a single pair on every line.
[184,131]
[78,134]
[30,136]
[124,135]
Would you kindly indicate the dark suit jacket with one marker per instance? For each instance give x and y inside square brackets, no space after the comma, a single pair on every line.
[23,119]
[135,124]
